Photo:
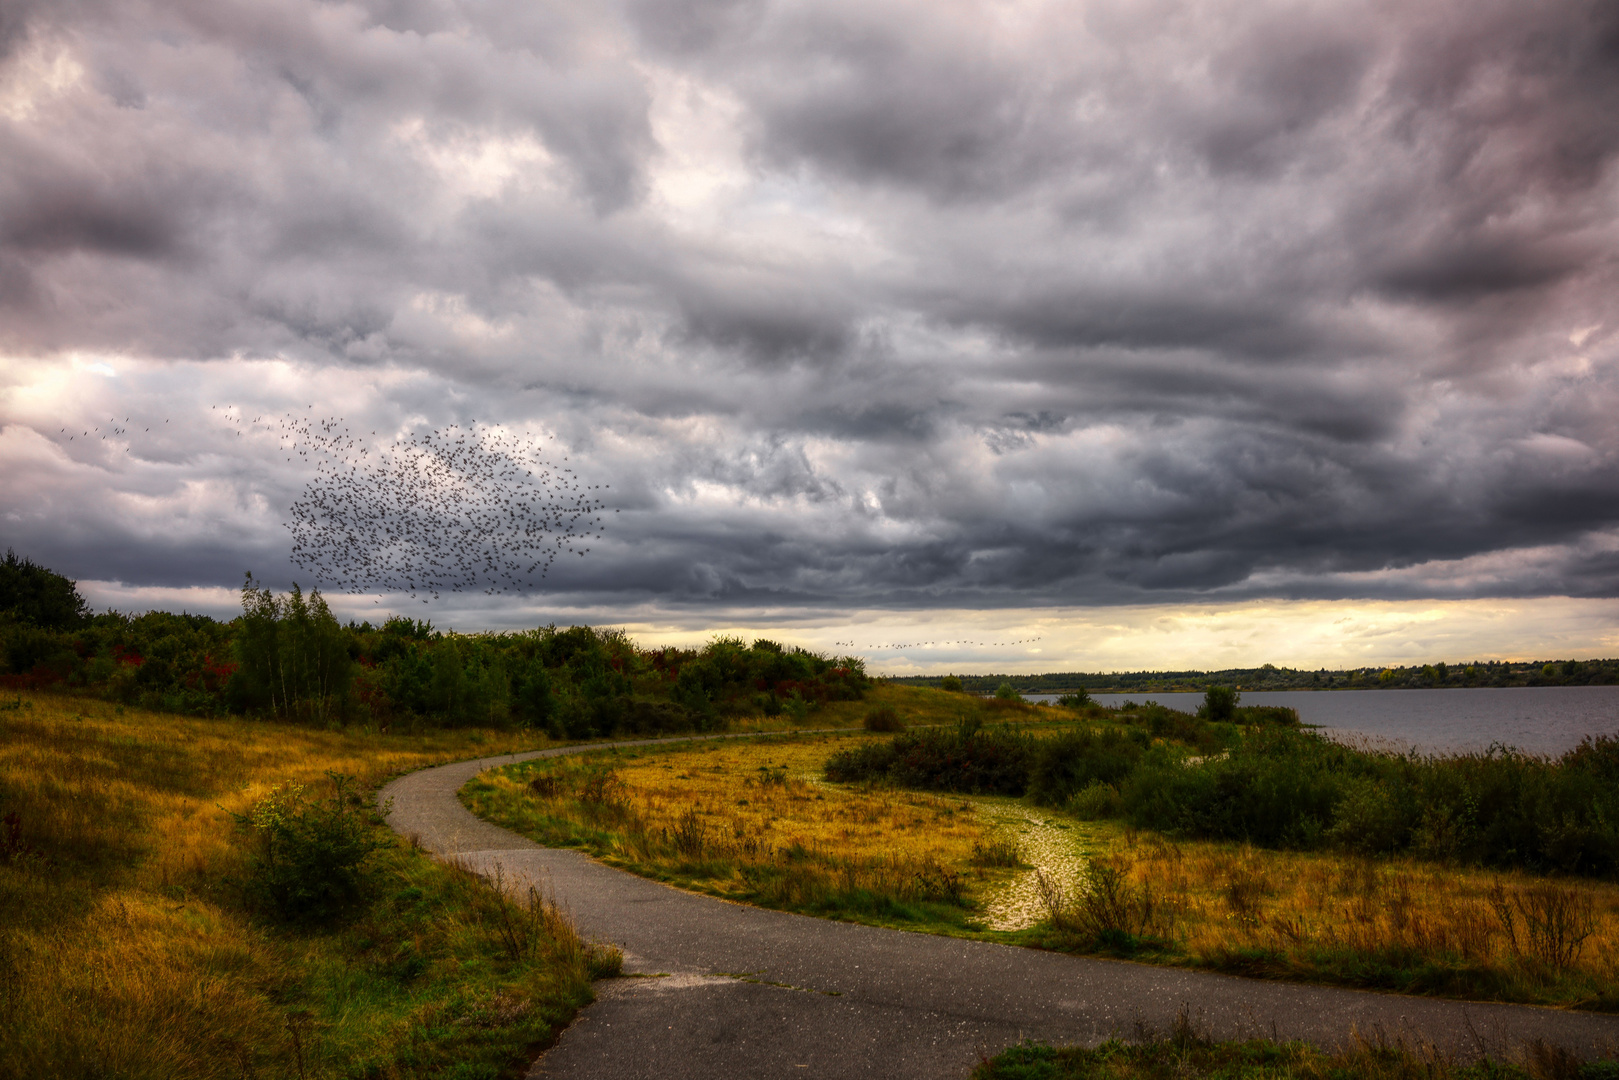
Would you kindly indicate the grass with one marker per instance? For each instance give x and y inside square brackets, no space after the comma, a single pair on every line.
[1391,924]
[127,947]
[748,821]
[1184,1053]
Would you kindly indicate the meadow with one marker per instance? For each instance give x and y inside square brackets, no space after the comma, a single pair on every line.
[131,943]
[1061,867]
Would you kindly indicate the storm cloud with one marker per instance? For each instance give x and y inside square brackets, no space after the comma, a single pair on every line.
[895,305]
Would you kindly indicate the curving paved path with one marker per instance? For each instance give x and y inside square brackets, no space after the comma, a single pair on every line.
[745,992]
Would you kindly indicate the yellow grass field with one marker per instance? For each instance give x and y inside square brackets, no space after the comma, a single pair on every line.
[125,949]
[753,821]
[1405,923]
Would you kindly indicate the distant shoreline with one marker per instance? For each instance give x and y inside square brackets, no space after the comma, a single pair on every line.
[1268,678]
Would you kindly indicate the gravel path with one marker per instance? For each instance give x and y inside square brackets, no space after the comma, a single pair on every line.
[736,991]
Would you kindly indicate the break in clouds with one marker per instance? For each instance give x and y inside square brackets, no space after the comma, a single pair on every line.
[881,305]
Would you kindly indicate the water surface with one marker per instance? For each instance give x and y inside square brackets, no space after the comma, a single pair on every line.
[1540,719]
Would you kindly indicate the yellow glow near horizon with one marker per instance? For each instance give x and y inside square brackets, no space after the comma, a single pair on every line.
[1164,637]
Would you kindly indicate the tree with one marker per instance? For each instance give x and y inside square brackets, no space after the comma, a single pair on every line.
[293,654]
[1220,704]
[30,593]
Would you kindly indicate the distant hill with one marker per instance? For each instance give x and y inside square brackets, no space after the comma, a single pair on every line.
[1270,677]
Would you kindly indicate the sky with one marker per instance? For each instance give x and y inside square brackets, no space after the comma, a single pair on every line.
[1022,336]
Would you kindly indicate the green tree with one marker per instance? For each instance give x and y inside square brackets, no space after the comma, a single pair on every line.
[1220,704]
[30,593]
[293,654]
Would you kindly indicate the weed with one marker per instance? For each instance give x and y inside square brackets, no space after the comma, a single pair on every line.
[996,851]
[1112,912]
[1546,922]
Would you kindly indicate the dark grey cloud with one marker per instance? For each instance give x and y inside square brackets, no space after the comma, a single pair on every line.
[899,305]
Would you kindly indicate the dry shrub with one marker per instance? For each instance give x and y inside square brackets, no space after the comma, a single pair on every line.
[1112,911]
[883,718]
[1547,923]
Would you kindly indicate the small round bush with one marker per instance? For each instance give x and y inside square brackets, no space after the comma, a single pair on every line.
[1096,802]
[884,718]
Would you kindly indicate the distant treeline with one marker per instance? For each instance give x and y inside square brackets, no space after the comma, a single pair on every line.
[287,656]
[1270,677]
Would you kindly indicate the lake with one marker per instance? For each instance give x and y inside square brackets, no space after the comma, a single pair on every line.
[1540,719]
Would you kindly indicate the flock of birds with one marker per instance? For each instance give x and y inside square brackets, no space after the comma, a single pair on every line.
[112,429]
[450,509]
[930,644]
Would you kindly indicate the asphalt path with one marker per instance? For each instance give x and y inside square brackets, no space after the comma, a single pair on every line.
[723,989]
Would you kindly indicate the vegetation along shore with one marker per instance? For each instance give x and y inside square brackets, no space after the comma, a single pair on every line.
[1232,840]
[197,881]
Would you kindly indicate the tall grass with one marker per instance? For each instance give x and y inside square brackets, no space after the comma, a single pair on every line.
[1394,924]
[128,946]
[749,822]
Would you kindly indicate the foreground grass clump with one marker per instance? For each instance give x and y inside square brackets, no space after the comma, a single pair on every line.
[1185,1054]
[133,944]
[749,822]
[1391,924]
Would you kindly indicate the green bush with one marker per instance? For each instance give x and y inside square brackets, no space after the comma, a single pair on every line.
[307,863]
[1075,699]
[1096,802]
[1064,765]
[950,684]
[1219,704]
[883,718]
[969,759]
[1004,692]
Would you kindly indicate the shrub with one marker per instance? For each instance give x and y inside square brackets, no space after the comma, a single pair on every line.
[1064,765]
[1220,704]
[796,708]
[969,759]
[308,859]
[1076,699]
[1096,802]
[1004,692]
[950,684]
[883,718]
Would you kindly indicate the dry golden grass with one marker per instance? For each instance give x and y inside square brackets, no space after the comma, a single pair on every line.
[124,947]
[1393,923]
[753,821]
[711,816]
